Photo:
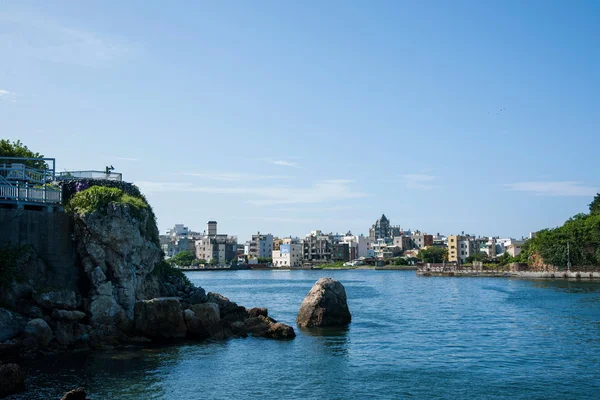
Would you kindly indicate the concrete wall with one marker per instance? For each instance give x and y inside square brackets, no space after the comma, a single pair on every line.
[50,236]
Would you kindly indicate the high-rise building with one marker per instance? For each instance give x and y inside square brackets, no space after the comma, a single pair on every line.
[382,229]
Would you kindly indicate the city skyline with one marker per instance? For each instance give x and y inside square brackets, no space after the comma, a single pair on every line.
[285,118]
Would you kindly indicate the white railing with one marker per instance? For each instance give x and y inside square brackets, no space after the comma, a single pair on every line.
[28,194]
[111,176]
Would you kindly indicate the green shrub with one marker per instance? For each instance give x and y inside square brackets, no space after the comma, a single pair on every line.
[93,199]
[98,197]
[164,271]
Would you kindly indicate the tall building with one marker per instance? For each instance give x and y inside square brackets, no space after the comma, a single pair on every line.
[214,247]
[382,229]
[460,247]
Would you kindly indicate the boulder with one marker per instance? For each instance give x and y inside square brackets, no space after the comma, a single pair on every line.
[39,330]
[105,310]
[64,333]
[207,313]
[324,305]
[197,295]
[66,315]
[266,327]
[64,299]
[200,318]
[160,318]
[11,324]
[255,312]
[12,379]
[280,331]
[75,394]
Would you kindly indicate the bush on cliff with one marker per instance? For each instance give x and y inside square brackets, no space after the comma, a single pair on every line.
[98,197]
[164,271]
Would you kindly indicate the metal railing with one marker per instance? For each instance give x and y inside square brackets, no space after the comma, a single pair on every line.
[30,194]
[19,169]
[111,176]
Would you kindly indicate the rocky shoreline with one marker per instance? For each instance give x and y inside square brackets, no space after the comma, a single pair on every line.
[118,293]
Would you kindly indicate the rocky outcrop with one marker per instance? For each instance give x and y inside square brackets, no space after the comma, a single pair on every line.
[39,331]
[160,318]
[117,255]
[266,327]
[12,379]
[11,324]
[102,282]
[324,305]
[64,299]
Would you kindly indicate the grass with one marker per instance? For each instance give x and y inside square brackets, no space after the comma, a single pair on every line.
[98,197]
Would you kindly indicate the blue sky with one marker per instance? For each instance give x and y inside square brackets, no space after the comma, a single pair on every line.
[277,117]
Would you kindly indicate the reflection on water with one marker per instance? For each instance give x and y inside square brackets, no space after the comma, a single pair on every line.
[333,339]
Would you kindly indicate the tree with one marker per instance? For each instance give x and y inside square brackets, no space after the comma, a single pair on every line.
[434,254]
[214,261]
[18,149]
[595,205]
[479,256]
[184,258]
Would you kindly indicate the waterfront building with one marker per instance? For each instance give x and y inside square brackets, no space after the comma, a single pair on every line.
[260,246]
[220,248]
[317,247]
[357,245]
[340,252]
[460,247]
[382,229]
[289,254]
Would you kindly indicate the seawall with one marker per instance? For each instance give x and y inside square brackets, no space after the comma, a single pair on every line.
[50,236]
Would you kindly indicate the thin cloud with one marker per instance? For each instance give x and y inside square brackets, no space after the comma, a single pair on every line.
[419,181]
[29,34]
[553,188]
[234,177]
[284,163]
[319,192]
[5,95]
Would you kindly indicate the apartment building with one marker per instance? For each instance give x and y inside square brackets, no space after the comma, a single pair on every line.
[461,246]
[261,246]
[215,247]
[317,247]
[289,254]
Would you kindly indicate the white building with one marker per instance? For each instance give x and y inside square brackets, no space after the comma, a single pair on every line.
[290,254]
[357,245]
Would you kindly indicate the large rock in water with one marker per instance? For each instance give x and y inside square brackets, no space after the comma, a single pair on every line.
[324,305]
[160,318]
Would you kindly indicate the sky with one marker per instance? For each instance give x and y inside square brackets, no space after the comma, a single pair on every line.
[286,117]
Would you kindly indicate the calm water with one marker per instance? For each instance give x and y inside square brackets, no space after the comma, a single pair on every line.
[419,338]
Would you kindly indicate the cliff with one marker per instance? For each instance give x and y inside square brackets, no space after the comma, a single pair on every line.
[94,276]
